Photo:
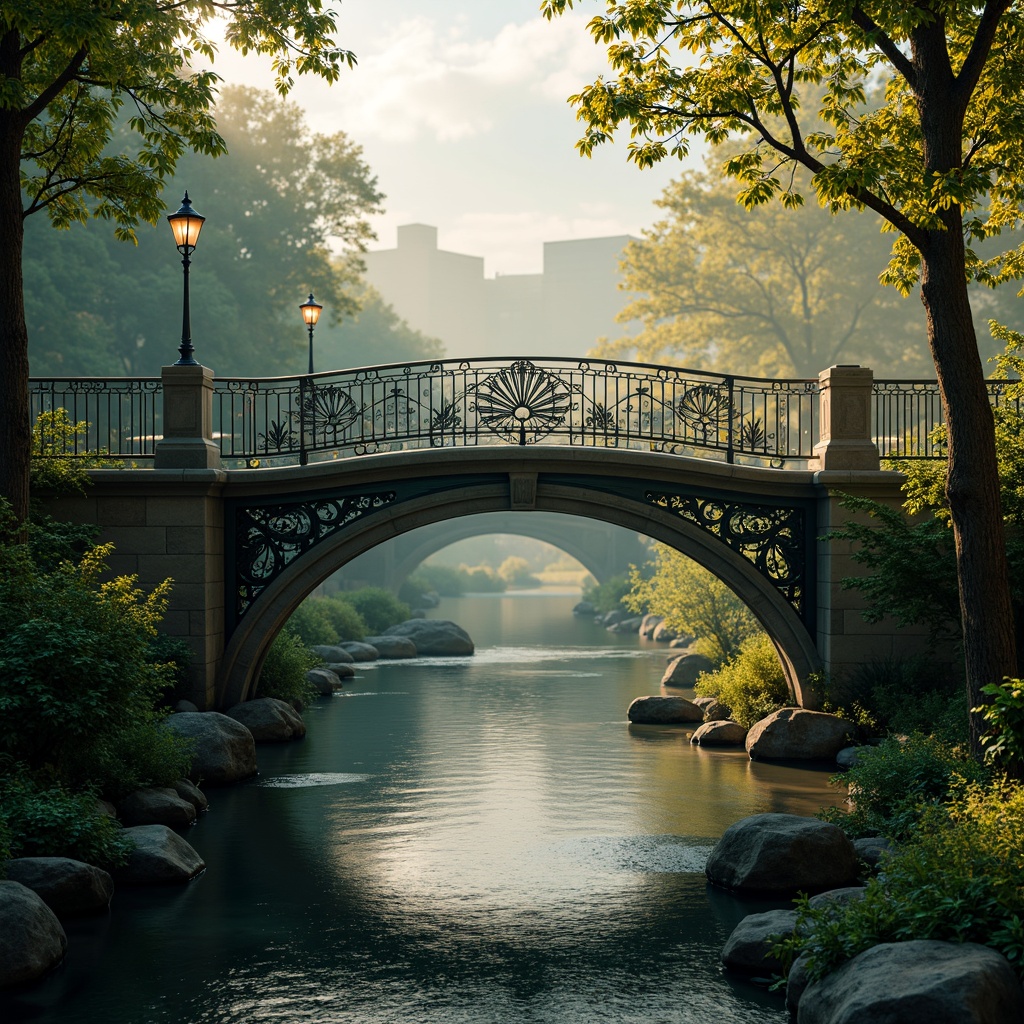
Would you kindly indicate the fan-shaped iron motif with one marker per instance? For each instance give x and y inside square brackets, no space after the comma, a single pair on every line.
[328,411]
[521,403]
[705,409]
[270,537]
[769,537]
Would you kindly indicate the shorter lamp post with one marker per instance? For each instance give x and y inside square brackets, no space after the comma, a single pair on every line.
[310,310]
[310,314]
[186,225]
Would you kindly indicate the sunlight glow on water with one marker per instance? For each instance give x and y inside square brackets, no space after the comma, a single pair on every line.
[485,841]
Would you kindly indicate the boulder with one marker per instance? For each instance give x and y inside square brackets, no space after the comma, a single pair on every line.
[748,948]
[70,888]
[663,635]
[796,981]
[683,671]
[872,849]
[360,651]
[223,749]
[631,625]
[837,897]
[332,653]
[584,608]
[849,757]
[648,624]
[719,734]
[32,941]
[703,702]
[156,805]
[434,637]
[192,793]
[795,734]
[682,641]
[324,680]
[917,982]
[716,711]
[782,853]
[185,705]
[160,857]
[615,615]
[269,720]
[342,669]
[393,646]
[663,711]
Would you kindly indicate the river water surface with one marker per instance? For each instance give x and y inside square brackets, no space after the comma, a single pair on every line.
[457,841]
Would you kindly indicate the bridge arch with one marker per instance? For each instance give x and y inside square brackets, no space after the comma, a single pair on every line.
[649,494]
[601,548]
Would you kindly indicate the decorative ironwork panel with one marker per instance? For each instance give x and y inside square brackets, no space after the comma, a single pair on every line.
[590,403]
[771,538]
[270,537]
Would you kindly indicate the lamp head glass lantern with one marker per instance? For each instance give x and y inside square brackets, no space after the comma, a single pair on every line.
[310,311]
[186,225]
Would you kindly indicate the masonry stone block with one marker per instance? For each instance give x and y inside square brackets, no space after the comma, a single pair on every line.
[186,540]
[120,511]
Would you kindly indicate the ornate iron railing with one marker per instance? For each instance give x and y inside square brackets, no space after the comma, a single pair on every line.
[122,415]
[521,401]
[905,414]
[280,420]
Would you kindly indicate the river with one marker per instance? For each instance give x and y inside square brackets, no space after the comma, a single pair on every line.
[457,841]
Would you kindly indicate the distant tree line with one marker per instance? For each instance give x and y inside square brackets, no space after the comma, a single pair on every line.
[286,213]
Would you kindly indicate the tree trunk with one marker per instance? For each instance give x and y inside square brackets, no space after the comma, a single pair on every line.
[972,480]
[15,424]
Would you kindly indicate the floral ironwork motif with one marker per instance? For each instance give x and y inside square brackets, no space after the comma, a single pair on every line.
[772,538]
[269,537]
[521,403]
[706,409]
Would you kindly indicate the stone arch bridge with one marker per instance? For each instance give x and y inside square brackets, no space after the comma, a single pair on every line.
[745,477]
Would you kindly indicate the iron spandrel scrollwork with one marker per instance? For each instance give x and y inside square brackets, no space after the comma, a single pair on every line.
[772,538]
[269,537]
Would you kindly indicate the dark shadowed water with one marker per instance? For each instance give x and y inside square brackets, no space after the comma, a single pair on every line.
[463,840]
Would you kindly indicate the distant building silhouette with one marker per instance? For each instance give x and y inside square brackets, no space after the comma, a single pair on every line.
[559,312]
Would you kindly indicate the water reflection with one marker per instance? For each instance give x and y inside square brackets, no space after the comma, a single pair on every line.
[462,841]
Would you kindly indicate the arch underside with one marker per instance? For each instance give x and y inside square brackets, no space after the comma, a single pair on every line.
[601,551]
[280,550]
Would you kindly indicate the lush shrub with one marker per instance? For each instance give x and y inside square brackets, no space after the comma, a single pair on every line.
[284,670]
[77,681]
[344,618]
[377,608]
[482,579]
[893,782]
[692,600]
[751,684]
[176,654]
[47,820]
[515,571]
[1004,715]
[609,596]
[442,579]
[311,623]
[909,695]
[956,879]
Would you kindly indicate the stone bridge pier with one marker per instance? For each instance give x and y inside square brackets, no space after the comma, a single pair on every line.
[245,546]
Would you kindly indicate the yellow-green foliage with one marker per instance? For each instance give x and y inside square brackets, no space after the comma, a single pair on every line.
[957,879]
[55,440]
[751,683]
[694,601]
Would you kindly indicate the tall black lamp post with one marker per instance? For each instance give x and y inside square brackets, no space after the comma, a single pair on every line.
[186,225]
[310,315]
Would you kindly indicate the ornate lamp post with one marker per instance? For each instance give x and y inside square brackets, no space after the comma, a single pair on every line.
[310,315]
[186,225]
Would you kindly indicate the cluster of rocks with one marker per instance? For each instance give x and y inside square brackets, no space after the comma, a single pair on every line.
[415,638]
[40,892]
[650,627]
[790,734]
[902,982]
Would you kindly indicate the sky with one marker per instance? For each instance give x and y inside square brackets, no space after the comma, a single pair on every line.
[461,109]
